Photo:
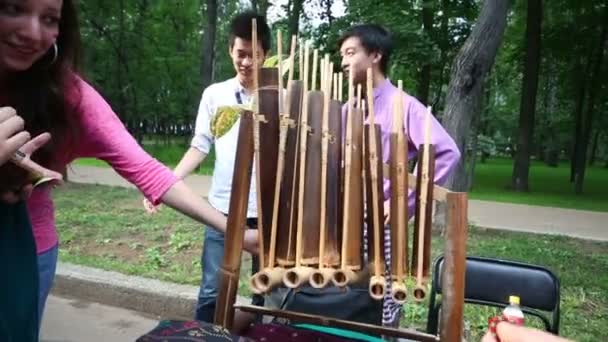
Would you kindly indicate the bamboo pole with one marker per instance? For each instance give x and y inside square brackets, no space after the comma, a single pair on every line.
[377,283]
[315,60]
[454,268]
[235,228]
[271,276]
[298,275]
[288,211]
[351,268]
[342,276]
[321,277]
[420,290]
[340,86]
[399,200]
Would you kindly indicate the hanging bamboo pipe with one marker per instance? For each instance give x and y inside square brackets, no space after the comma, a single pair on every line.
[298,275]
[352,209]
[420,290]
[272,276]
[288,210]
[399,201]
[256,141]
[321,277]
[377,283]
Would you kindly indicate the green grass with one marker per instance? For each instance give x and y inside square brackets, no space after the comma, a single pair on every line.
[548,186]
[106,227]
[169,155]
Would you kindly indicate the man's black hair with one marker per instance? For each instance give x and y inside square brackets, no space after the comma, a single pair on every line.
[241,27]
[374,39]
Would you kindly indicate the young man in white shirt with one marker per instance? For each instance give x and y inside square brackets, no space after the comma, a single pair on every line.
[236,90]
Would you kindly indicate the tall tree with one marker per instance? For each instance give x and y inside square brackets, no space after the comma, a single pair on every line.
[595,85]
[521,167]
[295,11]
[424,78]
[260,6]
[469,70]
[208,46]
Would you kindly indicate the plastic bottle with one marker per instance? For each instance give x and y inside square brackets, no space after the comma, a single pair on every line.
[513,313]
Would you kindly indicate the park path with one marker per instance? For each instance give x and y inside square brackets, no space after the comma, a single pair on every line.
[494,215]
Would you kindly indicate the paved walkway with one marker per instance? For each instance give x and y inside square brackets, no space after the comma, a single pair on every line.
[516,217]
[74,320]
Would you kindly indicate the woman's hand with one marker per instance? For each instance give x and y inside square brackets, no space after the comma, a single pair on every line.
[149,207]
[38,172]
[12,135]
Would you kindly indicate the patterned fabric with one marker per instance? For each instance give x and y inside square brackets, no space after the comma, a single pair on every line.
[286,333]
[195,331]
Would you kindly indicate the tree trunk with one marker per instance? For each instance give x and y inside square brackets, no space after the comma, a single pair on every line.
[466,89]
[593,154]
[208,46]
[578,115]
[521,166]
[295,10]
[424,79]
[552,151]
[122,101]
[261,7]
[588,120]
[444,46]
[327,10]
[469,70]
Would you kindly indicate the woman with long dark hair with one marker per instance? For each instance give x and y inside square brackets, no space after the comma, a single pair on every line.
[40,78]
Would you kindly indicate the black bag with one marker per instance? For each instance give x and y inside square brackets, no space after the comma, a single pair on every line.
[351,303]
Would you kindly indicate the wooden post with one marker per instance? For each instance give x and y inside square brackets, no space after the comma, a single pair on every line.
[237,218]
[454,267]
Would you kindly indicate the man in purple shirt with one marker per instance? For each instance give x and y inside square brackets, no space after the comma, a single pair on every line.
[369,46]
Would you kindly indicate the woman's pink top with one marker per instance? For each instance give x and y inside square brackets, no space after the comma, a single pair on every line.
[100,135]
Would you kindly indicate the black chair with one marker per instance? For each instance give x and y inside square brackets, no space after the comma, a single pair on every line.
[491,281]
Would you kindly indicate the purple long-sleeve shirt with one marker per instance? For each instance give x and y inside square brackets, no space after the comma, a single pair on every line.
[446,151]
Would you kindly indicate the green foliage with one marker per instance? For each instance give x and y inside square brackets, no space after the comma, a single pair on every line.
[548,186]
[486,146]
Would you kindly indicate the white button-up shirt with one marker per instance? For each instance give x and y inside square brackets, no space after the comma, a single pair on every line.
[225,93]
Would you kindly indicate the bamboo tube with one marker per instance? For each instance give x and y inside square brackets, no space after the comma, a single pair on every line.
[315,60]
[312,181]
[335,89]
[270,276]
[280,162]
[340,86]
[420,289]
[266,145]
[298,275]
[335,183]
[288,208]
[377,283]
[321,277]
[301,62]
[342,276]
[399,201]
[323,75]
[292,58]
[353,191]
[256,139]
